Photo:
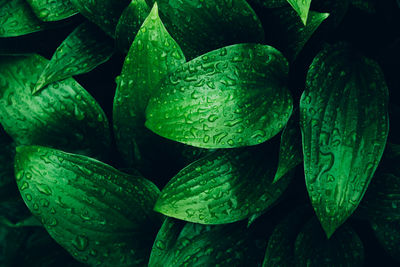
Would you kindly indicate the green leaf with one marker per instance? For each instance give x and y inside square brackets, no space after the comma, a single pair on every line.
[101,216]
[83,50]
[63,115]
[290,153]
[224,187]
[344,123]
[231,97]
[17,18]
[104,13]
[302,7]
[52,10]
[200,26]
[287,33]
[336,9]
[312,248]
[129,23]
[188,244]
[388,234]
[152,55]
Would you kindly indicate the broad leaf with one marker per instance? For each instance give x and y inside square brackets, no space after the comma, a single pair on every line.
[129,23]
[302,7]
[200,26]
[224,187]
[344,123]
[287,33]
[83,50]
[17,18]
[388,234]
[104,13]
[52,10]
[231,97]
[99,215]
[152,55]
[63,115]
[188,244]
[290,153]
[312,248]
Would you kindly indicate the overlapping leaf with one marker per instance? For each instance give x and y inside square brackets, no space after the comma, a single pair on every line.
[200,26]
[83,50]
[223,187]
[99,215]
[129,23]
[63,115]
[188,244]
[344,121]
[231,97]
[52,10]
[302,7]
[104,13]
[17,18]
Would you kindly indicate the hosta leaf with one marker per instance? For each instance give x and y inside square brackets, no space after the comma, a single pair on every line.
[302,8]
[312,248]
[188,244]
[231,97]
[200,26]
[63,115]
[83,50]
[17,18]
[344,123]
[52,10]
[104,13]
[223,187]
[388,234]
[287,33]
[152,55]
[290,153]
[129,23]
[99,215]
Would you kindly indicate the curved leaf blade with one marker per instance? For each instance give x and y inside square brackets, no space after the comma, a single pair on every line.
[223,187]
[52,10]
[302,7]
[64,115]
[99,215]
[17,18]
[129,23]
[83,50]
[344,123]
[231,97]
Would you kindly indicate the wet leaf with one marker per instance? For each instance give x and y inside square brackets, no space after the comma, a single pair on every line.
[290,153]
[312,248]
[17,18]
[129,23]
[83,50]
[52,10]
[63,115]
[344,123]
[188,244]
[388,234]
[231,97]
[152,55]
[104,13]
[99,215]
[200,26]
[224,187]
[287,33]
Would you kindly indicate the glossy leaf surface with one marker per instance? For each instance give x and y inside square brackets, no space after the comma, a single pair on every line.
[52,10]
[99,215]
[17,18]
[129,23]
[200,26]
[302,7]
[224,187]
[83,50]
[344,121]
[231,97]
[63,115]
[104,13]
